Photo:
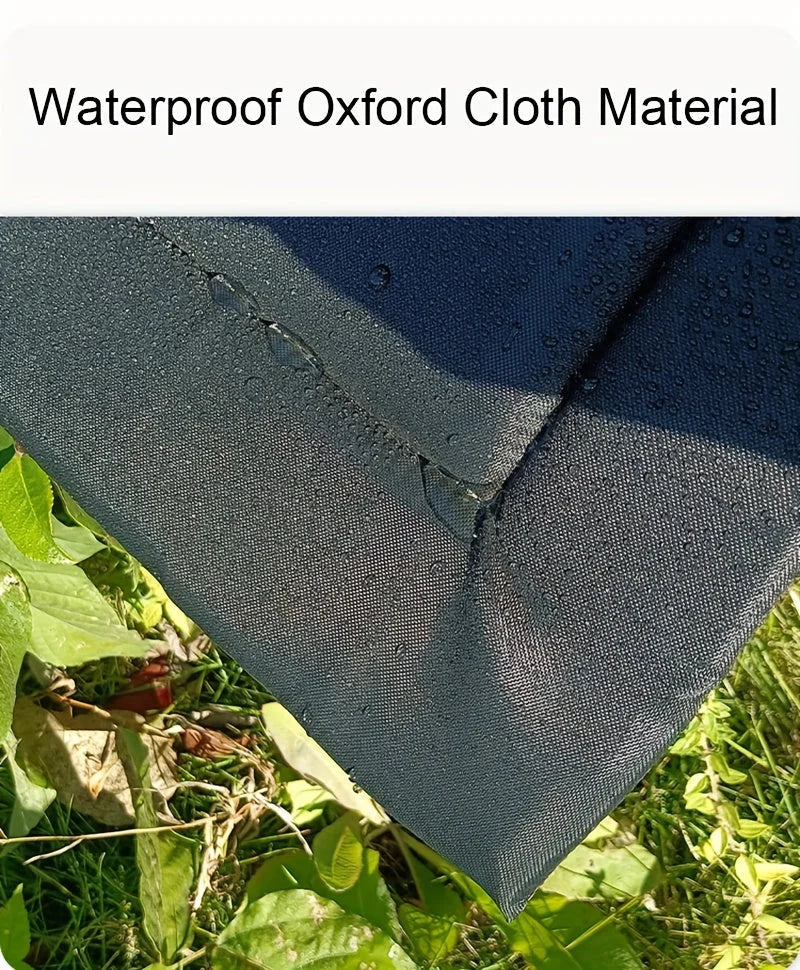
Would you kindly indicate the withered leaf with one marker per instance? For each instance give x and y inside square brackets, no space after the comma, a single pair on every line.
[79,757]
[209,743]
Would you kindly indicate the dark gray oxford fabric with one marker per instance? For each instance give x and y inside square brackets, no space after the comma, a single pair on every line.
[489,504]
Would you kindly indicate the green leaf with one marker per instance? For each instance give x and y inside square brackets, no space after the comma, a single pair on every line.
[15,933]
[730,955]
[71,622]
[746,874]
[611,873]
[339,852]
[308,801]
[731,776]
[6,441]
[715,846]
[295,869]
[434,927]
[26,500]
[468,887]
[15,639]
[432,937]
[528,937]
[696,783]
[772,924]
[295,929]
[698,802]
[80,517]
[750,828]
[75,541]
[302,753]
[602,832]
[434,895]
[31,800]
[284,869]
[767,871]
[167,864]
[563,934]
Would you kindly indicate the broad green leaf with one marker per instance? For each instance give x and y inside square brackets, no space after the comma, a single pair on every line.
[339,852]
[434,895]
[15,934]
[728,814]
[750,828]
[699,802]
[295,929]
[564,934]
[308,801]
[15,639]
[71,622]
[604,830]
[731,776]
[167,864]
[746,874]
[302,753]
[26,500]
[611,873]
[80,517]
[540,948]
[6,441]
[767,871]
[121,576]
[468,887]
[295,869]
[75,541]
[284,869]
[696,783]
[730,955]
[31,800]
[715,846]
[772,924]
[432,937]
[434,927]
[690,743]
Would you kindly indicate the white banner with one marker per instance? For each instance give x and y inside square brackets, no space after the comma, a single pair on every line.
[104,112]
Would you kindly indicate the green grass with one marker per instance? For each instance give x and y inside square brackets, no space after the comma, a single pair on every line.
[700,906]
[83,902]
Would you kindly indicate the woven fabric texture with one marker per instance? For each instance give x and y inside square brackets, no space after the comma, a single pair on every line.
[490,504]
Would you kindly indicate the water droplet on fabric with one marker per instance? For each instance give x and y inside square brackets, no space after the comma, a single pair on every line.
[449,500]
[255,389]
[229,293]
[734,237]
[380,277]
[289,353]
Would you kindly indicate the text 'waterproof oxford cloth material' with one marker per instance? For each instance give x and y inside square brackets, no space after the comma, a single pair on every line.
[489,504]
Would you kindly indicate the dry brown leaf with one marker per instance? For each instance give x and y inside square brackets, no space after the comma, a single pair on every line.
[208,743]
[189,652]
[79,758]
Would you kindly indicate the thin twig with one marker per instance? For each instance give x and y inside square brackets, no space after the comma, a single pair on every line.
[120,833]
[54,853]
